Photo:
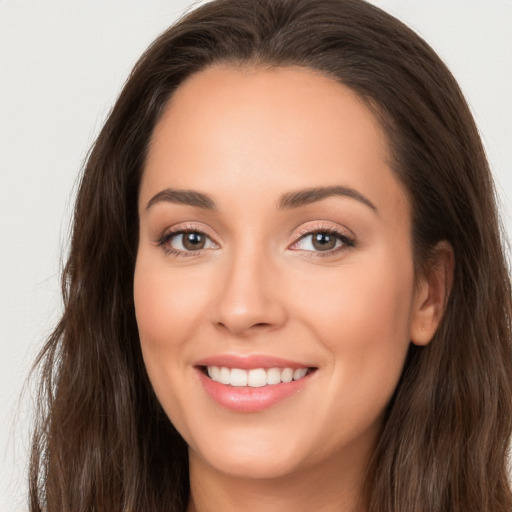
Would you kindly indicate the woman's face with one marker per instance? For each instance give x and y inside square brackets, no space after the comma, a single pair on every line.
[275,243]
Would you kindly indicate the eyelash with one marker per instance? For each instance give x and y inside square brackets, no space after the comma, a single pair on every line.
[347,242]
[168,235]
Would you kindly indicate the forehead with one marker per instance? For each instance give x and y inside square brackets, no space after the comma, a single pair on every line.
[242,128]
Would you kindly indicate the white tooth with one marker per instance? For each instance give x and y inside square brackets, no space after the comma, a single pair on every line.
[213,372]
[238,377]
[257,378]
[224,375]
[287,374]
[299,373]
[273,376]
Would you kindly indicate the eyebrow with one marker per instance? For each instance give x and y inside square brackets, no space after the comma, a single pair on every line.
[289,200]
[186,197]
[311,195]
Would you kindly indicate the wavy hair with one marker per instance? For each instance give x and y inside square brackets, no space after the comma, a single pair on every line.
[102,441]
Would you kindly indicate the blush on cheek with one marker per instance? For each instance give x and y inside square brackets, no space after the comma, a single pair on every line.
[364,314]
[161,305]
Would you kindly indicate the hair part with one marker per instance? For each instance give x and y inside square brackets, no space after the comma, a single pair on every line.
[103,442]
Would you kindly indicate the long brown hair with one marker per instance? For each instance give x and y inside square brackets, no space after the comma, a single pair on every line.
[102,441]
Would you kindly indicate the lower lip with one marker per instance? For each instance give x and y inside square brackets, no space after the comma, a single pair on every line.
[248,399]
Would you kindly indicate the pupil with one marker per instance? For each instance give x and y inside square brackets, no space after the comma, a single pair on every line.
[193,241]
[323,241]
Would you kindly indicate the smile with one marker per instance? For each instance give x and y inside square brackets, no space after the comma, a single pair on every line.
[252,383]
[256,377]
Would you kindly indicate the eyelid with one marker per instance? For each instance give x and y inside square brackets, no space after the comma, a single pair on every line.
[183,227]
[321,225]
[168,233]
[347,237]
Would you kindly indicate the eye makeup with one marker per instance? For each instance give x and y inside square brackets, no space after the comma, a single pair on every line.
[322,240]
[185,241]
[314,240]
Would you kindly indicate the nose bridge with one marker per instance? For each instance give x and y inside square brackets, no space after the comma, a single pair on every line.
[248,297]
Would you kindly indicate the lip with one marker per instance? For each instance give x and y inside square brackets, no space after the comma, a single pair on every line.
[250,362]
[248,399]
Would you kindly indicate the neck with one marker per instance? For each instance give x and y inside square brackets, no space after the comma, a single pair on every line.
[327,489]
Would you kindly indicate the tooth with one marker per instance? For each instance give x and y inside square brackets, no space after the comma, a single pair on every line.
[273,376]
[286,374]
[224,375]
[257,378]
[299,373]
[238,377]
[213,372]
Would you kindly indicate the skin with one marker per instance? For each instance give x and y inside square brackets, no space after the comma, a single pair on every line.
[246,137]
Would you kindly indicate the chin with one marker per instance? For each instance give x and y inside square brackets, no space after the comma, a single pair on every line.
[256,454]
[253,464]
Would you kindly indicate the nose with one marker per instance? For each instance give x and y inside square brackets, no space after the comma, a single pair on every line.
[249,299]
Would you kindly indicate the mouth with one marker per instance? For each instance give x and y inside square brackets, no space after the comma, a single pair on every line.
[255,377]
[254,383]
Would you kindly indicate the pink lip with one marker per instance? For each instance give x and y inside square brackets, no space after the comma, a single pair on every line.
[249,362]
[248,399]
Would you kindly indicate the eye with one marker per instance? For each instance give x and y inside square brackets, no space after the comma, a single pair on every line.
[326,241]
[186,241]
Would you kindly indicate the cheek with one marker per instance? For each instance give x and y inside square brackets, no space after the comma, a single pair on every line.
[361,315]
[167,304]
[167,308]
[365,301]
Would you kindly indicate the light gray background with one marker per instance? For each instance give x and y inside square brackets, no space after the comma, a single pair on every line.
[62,65]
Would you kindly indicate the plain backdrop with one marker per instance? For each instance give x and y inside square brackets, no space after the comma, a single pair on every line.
[62,65]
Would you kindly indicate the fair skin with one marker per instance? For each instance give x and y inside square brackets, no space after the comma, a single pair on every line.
[322,282]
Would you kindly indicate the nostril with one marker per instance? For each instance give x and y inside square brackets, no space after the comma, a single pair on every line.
[235,327]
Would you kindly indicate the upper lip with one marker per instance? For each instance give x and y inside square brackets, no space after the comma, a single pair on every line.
[250,362]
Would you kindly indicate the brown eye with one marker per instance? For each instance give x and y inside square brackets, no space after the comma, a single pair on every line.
[323,241]
[183,242]
[193,241]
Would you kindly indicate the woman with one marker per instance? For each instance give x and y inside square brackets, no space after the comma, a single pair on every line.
[286,286]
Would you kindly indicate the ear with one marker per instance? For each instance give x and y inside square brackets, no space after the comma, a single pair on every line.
[432,292]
